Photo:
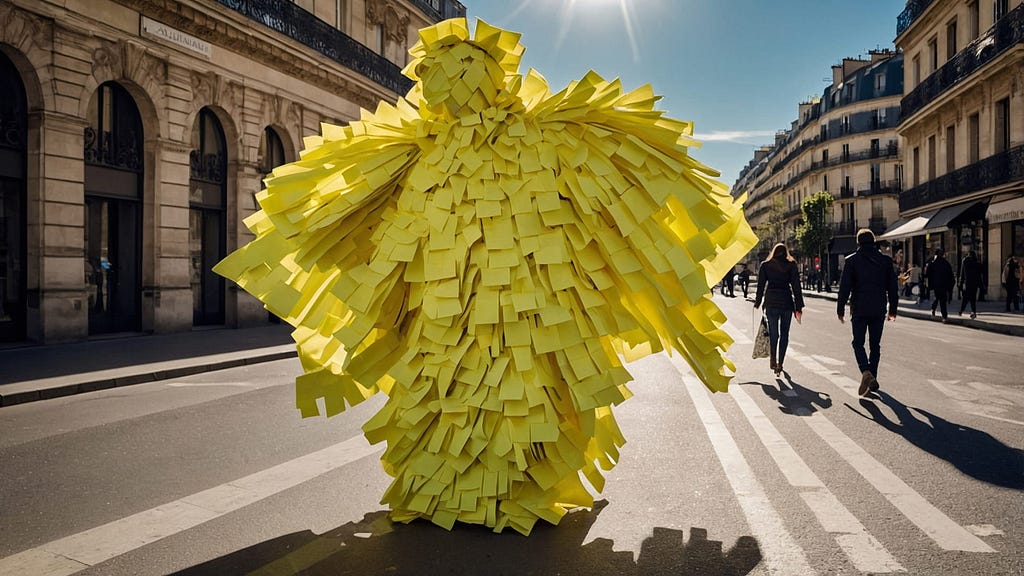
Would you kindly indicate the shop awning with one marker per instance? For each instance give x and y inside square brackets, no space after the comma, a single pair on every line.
[1006,211]
[911,226]
[953,215]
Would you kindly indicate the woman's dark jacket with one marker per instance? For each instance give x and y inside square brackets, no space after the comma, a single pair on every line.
[778,286]
[869,283]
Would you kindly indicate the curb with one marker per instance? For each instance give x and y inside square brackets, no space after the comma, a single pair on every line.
[129,378]
[1008,329]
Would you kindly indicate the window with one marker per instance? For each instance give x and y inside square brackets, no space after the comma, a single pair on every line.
[845,128]
[846,152]
[876,177]
[879,84]
[950,148]
[973,138]
[824,132]
[933,55]
[882,123]
[915,70]
[848,215]
[874,148]
[824,156]
[1001,135]
[999,9]
[378,38]
[877,209]
[931,157]
[824,182]
[916,167]
[973,21]
[951,39]
[340,14]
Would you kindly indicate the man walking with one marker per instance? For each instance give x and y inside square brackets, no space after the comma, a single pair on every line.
[971,278]
[869,283]
[940,280]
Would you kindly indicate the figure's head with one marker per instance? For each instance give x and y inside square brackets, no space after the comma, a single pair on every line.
[463,74]
[780,252]
[865,237]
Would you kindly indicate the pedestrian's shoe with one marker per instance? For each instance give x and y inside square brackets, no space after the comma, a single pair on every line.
[973,315]
[945,320]
[778,369]
[933,311]
[866,381]
[874,385]
[775,367]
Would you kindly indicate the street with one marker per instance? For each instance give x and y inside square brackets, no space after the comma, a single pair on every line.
[216,474]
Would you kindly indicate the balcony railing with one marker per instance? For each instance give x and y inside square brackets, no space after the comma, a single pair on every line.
[844,228]
[1007,32]
[1001,168]
[881,187]
[846,191]
[914,9]
[890,151]
[289,19]
[878,225]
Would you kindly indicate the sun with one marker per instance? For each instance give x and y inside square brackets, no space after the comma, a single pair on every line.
[625,7]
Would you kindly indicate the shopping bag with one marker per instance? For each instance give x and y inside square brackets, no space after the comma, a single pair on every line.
[762,348]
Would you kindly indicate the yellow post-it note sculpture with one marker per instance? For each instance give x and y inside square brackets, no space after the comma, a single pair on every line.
[482,253]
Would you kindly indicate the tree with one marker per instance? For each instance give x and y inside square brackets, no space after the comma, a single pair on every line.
[814,233]
[773,229]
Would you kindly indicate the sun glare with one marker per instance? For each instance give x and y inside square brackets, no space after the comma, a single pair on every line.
[568,10]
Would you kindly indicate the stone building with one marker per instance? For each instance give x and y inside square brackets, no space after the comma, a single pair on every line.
[135,133]
[963,131]
[844,143]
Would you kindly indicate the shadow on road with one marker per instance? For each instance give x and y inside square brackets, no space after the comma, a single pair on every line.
[792,397]
[377,546]
[971,451]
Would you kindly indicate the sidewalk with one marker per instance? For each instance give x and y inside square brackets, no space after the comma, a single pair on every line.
[992,315]
[29,373]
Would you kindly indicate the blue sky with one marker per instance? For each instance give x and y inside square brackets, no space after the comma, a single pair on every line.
[736,68]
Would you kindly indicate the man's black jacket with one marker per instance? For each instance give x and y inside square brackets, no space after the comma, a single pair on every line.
[868,283]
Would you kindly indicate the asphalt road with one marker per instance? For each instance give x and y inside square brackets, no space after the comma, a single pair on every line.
[216,474]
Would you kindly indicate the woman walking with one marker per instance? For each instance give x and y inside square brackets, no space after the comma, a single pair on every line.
[778,287]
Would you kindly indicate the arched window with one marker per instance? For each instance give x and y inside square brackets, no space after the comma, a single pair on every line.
[271,153]
[113,211]
[207,217]
[13,147]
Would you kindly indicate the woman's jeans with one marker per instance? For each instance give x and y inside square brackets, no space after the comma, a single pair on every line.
[778,331]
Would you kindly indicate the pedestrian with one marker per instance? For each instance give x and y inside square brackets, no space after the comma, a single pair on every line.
[729,283]
[869,283]
[1011,278]
[744,278]
[914,279]
[970,280]
[778,287]
[940,281]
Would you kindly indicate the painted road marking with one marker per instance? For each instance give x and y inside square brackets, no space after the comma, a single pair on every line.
[864,551]
[77,552]
[933,522]
[782,554]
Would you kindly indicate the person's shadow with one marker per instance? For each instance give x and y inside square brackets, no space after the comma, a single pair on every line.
[971,451]
[792,397]
[377,546]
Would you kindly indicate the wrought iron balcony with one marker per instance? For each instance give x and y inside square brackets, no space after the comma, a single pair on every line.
[846,191]
[1007,32]
[995,170]
[881,187]
[878,225]
[914,9]
[289,19]
[844,228]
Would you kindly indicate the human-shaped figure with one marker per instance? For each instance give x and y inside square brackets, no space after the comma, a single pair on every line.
[482,252]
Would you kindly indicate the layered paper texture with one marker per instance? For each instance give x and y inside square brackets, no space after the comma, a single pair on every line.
[482,253]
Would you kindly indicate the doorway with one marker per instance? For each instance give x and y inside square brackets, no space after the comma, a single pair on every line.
[13,148]
[207,222]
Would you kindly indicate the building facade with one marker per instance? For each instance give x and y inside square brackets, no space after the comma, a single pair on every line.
[844,143]
[134,135]
[963,131]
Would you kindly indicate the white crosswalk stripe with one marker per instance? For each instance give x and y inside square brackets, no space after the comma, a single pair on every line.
[77,552]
